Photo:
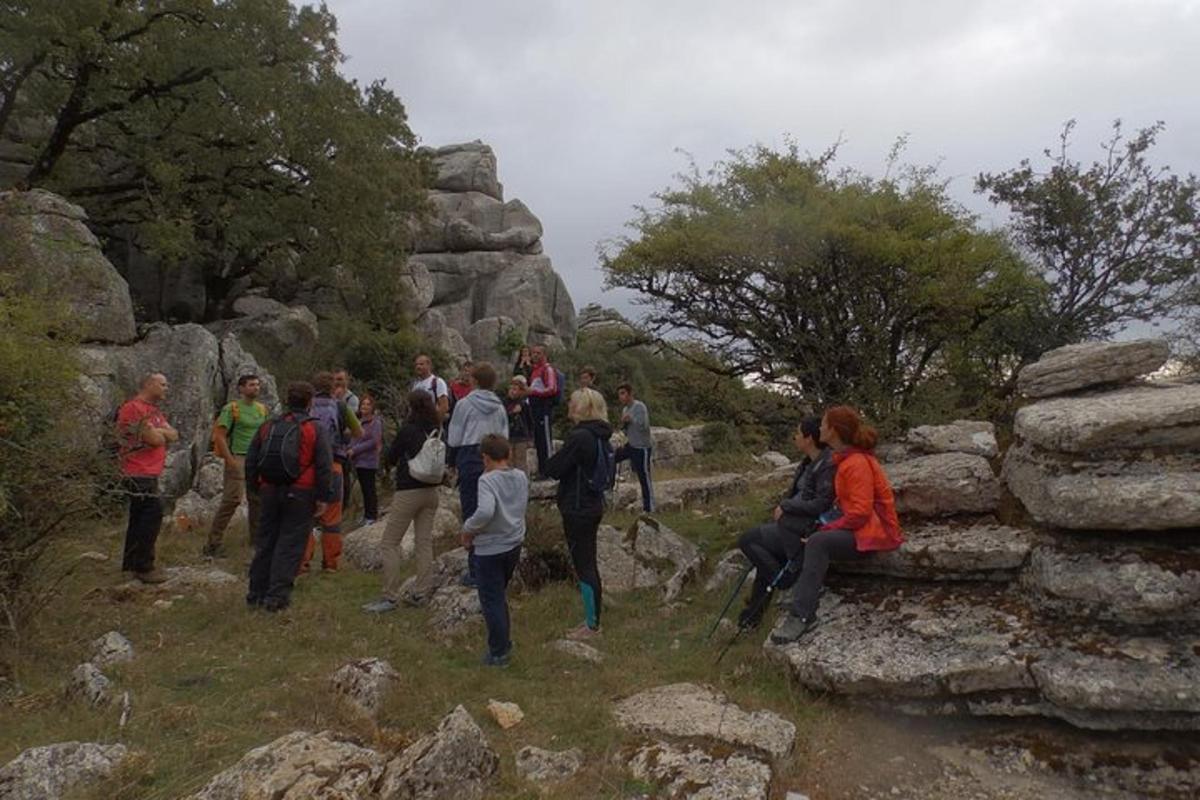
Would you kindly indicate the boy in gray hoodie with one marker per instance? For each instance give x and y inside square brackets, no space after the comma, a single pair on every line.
[496,530]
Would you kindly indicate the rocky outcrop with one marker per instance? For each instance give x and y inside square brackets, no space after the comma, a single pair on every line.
[548,766]
[943,485]
[693,773]
[949,552]
[56,770]
[1080,366]
[1154,416]
[363,547]
[478,276]
[46,247]
[680,493]
[269,329]
[648,554]
[595,319]
[973,437]
[455,761]
[364,684]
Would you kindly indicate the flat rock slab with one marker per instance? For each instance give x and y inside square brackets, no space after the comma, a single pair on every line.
[1159,416]
[946,552]
[52,771]
[693,773]
[180,580]
[1079,366]
[973,437]
[985,651]
[944,485]
[548,766]
[690,710]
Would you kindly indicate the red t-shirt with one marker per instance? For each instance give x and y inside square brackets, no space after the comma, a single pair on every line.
[138,459]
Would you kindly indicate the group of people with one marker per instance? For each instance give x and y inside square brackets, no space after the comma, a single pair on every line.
[294,470]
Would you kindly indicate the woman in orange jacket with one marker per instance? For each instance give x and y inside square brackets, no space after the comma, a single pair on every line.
[867,521]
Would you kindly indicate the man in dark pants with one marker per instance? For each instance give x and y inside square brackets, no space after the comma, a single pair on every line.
[638,447]
[773,544]
[143,434]
[543,394]
[288,508]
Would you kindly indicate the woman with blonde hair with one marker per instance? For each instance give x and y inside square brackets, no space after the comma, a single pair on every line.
[581,505]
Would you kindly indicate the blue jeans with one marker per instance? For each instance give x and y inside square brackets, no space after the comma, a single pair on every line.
[639,459]
[493,574]
[469,464]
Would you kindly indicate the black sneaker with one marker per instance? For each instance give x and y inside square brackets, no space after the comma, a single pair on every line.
[750,619]
[792,629]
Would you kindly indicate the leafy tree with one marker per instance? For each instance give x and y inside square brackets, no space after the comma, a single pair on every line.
[1117,241]
[216,132]
[842,287]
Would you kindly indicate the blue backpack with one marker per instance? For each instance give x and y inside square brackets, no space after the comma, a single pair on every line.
[604,471]
[561,381]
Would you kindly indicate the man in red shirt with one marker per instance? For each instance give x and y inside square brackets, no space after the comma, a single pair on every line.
[288,502]
[543,394]
[143,434]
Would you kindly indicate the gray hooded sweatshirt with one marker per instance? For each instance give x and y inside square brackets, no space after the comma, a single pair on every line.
[499,521]
[475,416]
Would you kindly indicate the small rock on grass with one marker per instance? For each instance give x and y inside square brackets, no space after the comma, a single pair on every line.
[578,650]
[111,648]
[507,715]
[547,766]
[50,772]
[89,683]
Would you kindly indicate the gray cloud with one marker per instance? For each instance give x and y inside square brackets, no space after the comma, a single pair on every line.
[588,103]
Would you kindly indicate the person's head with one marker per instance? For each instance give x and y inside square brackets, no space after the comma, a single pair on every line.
[518,386]
[464,372]
[587,377]
[366,406]
[322,382]
[537,354]
[807,436]
[299,395]
[249,386]
[153,387]
[625,394]
[587,404]
[523,353]
[341,381]
[484,375]
[495,450]
[421,408]
[842,427]
[423,365]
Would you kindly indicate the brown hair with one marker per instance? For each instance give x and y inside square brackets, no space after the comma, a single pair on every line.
[851,428]
[299,395]
[588,371]
[484,375]
[421,408]
[495,447]
[323,382]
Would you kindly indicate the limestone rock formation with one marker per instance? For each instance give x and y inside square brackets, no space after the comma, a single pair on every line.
[90,685]
[236,362]
[944,484]
[363,547]
[111,648]
[364,684]
[689,710]
[455,761]
[1154,416]
[974,437]
[967,551]
[727,570]
[451,607]
[596,319]
[478,275]
[679,493]
[45,244]
[693,773]
[547,766]
[54,771]
[648,554]
[269,329]
[1079,366]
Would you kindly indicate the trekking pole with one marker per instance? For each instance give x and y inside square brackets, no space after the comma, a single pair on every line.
[762,602]
[732,596]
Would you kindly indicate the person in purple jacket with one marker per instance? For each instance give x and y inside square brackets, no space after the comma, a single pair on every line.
[364,454]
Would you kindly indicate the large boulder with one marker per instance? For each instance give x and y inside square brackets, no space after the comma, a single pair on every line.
[693,773]
[56,770]
[438,333]
[299,766]
[455,762]
[46,246]
[973,437]
[466,167]
[648,554]
[268,329]
[980,551]
[670,445]
[1079,366]
[236,362]
[944,484]
[466,221]
[1123,420]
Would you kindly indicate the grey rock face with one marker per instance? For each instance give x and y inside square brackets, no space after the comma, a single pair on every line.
[436,329]
[689,710]
[363,547]
[944,484]
[466,221]
[447,568]
[727,571]
[773,459]
[268,329]
[455,762]
[236,362]
[1079,366]
[210,477]
[50,772]
[648,554]
[364,684]
[181,580]
[299,766]
[680,493]
[89,684]
[594,318]
[670,445]
[467,167]
[1140,417]
[46,246]
[452,607]
[980,551]
[961,436]
[195,512]
[690,772]
[111,648]
[548,766]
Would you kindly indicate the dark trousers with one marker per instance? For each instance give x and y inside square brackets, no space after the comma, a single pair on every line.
[543,434]
[145,518]
[639,459]
[347,483]
[821,548]
[580,531]
[366,479]
[283,531]
[469,463]
[767,548]
[493,574]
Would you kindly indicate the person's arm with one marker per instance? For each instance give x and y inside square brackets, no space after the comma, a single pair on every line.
[150,435]
[484,512]
[441,399]
[822,498]
[566,459]
[323,464]
[640,415]
[366,442]
[859,501]
[221,444]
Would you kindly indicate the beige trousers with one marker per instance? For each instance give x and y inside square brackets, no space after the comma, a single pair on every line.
[232,492]
[415,507]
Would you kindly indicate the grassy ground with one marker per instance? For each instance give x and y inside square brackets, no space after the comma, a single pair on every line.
[211,680]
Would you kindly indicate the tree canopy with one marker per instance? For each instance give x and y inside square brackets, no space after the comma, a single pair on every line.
[216,132]
[842,287]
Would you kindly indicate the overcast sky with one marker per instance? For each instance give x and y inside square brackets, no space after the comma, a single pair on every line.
[588,103]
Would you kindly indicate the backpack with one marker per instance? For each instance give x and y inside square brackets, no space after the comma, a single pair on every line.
[560,380]
[279,455]
[603,476]
[327,412]
[429,464]
[234,414]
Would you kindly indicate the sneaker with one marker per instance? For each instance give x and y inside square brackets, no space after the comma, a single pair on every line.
[155,575]
[490,660]
[274,604]
[792,629]
[380,606]
[212,551]
[368,521]
[583,633]
[468,580]
[253,602]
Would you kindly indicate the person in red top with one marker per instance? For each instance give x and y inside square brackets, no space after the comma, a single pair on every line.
[287,509]
[867,520]
[143,434]
[543,393]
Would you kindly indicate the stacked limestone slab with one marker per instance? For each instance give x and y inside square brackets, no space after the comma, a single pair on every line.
[1088,615]
[479,272]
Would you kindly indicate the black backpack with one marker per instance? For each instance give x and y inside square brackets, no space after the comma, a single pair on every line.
[604,472]
[279,454]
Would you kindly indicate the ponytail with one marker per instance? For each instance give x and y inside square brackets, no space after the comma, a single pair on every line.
[851,429]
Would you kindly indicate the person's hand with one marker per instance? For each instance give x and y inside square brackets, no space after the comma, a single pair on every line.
[231,461]
[466,538]
[777,513]
[320,510]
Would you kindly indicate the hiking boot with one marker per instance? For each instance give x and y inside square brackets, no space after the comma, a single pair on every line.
[490,660]
[274,604]
[154,575]
[792,629]
[468,580]
[750,618]
[380,606]
[213,551]
[583,633]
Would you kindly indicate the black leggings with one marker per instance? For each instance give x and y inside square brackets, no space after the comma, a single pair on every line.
[366,479]
[580,531]
[766,547]
[821,548]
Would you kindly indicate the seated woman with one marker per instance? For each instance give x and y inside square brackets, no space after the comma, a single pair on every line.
[771,545]
[868,521]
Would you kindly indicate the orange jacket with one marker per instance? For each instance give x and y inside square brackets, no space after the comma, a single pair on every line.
[865,499]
